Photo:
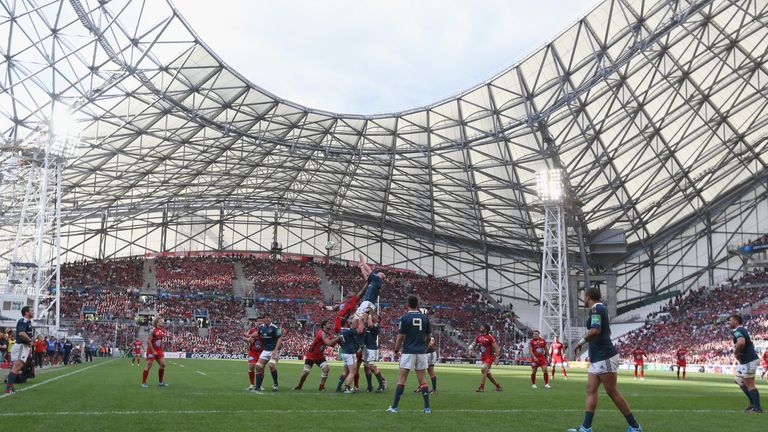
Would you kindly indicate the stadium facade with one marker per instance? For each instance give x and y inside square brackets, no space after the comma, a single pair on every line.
[657,111]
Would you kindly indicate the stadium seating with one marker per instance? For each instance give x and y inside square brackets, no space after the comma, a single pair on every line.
[697,321]
[289,290]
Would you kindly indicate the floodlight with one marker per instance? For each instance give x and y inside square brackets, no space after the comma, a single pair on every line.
[549,185]
[64,132]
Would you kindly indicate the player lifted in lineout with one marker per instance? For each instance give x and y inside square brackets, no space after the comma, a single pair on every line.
[557,355]
[538,347]
[489,355]
[315,355]
[374,280]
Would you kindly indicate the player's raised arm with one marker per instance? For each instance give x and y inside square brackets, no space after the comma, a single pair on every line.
[361,293]
[364,267]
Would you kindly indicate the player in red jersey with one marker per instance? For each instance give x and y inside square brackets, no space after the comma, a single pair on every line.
[638,355]
[255,348]
[680,354]
[489,355]
[556,351]
[137,346]
[155,352]
[538,348]
[345,309]
[764,363]
[316,354]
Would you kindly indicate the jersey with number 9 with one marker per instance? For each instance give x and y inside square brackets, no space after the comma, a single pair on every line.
[416,329]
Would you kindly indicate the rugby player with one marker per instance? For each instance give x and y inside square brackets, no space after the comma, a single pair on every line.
[604,363]
[744,351]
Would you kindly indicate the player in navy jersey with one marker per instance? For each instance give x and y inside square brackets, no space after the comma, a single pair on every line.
[413,337]
[744,351]
[371,354]
[375,280]
[431,360]
[21,348]
[350,339]
[604,363]
[271,336]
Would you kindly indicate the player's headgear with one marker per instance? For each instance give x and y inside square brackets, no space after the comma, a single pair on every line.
[738,318]
[413,302]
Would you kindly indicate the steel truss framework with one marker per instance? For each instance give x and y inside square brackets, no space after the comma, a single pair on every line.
[655,109]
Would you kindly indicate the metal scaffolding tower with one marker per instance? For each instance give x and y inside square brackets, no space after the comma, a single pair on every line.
[554,305]
[30,193]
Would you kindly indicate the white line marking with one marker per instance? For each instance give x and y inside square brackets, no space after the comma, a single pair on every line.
[57,378]
[326,411]
[202,373]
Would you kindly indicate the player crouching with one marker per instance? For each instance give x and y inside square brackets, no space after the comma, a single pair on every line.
[316,354]
[489,355]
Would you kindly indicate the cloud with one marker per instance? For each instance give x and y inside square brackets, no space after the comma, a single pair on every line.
[366,56]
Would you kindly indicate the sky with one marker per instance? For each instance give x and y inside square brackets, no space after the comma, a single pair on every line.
[372,57]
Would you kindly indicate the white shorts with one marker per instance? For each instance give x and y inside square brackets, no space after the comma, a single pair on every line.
[605,366]
[413,361]
[370,356]
[349,359]
[20,352]
[432,358]
[365,306]
[747,370]
[267,355]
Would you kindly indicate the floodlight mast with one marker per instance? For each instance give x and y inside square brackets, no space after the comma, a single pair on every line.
[554,304]
[35,264]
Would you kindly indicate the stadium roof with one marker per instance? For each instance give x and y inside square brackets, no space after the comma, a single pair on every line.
[655,110]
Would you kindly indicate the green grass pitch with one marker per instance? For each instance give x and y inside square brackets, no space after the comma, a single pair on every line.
[210,395]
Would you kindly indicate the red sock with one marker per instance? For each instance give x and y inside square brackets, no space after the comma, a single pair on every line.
[144,377]
[533,377]
[564,374]
[251,376]
[635,371]
[642,373]
[546,378]
[683,374]
[322,386]
[160,374]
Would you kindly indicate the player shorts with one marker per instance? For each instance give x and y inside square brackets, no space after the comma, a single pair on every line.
[538,362]
[158,356]
[313,362]
[640,364]
[610,365]
[365,306]
[137,353]
[267,355]
[432,358]
[681,364]
[370,356]
[413,361]
[20,352]
[746,370]
[557,359]
[253,357]
[51,353]
[349,359]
